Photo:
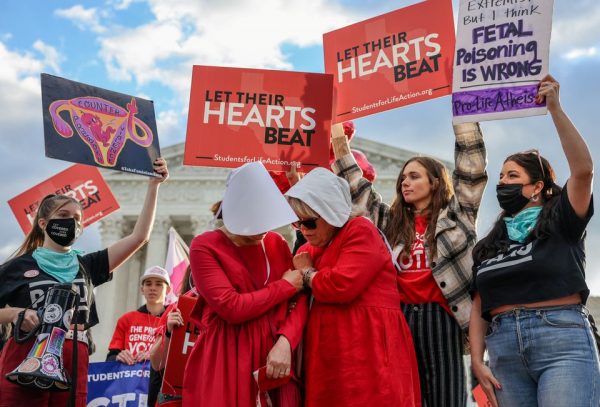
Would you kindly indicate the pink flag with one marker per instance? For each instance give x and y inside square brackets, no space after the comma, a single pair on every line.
[178,258]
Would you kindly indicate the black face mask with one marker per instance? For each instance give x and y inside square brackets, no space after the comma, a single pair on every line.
[63,231]
[510,197]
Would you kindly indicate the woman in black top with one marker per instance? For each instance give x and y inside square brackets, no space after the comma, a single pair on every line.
[529,283]
[45,259]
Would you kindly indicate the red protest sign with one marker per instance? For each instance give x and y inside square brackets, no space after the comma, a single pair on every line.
[480,397]
[392,60]
[82,182]
[180,346]
[241,115]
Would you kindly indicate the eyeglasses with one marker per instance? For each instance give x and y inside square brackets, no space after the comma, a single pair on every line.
[307,223]
[539,157]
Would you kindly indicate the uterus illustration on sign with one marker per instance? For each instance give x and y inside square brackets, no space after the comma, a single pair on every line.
[102,125]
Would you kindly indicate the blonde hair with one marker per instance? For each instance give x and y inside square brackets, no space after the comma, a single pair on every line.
[48,207]
[301,208]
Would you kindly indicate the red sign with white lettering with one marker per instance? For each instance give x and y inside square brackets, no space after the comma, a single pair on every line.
[180,346]
[280,118]
[82,182]
[392,60]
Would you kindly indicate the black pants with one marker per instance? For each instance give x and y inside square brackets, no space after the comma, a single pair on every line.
[439,348]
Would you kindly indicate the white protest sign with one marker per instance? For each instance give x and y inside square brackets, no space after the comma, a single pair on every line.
[502,52]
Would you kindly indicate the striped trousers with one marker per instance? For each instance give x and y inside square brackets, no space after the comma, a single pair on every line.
[439,348]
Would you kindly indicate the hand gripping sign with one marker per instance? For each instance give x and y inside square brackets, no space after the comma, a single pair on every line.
[180,346]
[105,121]
[502,52]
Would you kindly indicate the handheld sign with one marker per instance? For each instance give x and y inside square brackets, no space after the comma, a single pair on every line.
[393,60]
[243,115]
[180,346]
[502,52]
[480,397]
[81,182]
[94,126]
[118,384]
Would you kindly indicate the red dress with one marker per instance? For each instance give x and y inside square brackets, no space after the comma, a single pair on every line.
[358,348]
[240,317]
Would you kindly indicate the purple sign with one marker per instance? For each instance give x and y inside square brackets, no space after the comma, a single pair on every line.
[494,100]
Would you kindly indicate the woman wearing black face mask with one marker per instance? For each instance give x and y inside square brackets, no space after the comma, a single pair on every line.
[46,258]
[529,281]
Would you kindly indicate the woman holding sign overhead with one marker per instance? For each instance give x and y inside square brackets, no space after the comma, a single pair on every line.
[530,280]
[431,229]
[46,258]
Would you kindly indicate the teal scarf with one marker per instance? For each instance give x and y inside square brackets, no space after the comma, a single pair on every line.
[62,266]
[521,225]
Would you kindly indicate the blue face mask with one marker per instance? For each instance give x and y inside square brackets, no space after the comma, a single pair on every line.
[62,266]
[521,225]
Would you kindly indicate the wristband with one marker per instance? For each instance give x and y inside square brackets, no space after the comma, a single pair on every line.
[306,273]
[167,333]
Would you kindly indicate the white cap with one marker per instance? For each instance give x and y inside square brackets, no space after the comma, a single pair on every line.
[326,194]
[252,203]
[156,272]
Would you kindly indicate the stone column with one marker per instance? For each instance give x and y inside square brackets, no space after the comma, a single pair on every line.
[134,297]
[200,224]
[156,251]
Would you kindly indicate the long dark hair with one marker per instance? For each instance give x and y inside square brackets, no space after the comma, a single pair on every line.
[187,282]
[401,227]
[538,169]
[48,206]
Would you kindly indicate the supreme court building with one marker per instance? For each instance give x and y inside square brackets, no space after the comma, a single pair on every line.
[184,203]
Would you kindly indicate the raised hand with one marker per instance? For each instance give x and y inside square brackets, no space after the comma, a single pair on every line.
[549,91]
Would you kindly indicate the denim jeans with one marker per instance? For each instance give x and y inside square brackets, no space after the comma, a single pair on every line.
[544,357]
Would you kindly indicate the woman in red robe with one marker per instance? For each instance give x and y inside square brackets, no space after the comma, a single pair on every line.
[248,310]
[358,350]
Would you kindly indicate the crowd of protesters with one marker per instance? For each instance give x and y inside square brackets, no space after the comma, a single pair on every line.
[378,304]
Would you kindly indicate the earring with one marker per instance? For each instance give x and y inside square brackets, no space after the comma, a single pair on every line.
[534,197]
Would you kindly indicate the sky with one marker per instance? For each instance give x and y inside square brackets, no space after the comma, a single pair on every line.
[147,48]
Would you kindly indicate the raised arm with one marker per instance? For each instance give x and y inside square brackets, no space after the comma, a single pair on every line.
[365,200]
[469,176]
[121,250]
[581,166]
